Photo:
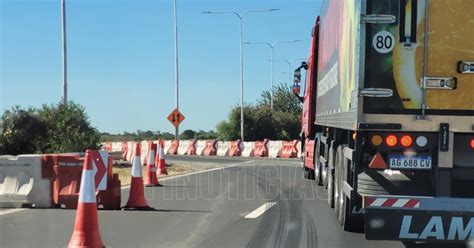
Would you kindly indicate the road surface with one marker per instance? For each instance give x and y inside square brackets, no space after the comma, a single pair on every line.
[247,203]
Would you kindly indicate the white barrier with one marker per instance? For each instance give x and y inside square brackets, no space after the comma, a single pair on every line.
[116,146]
[274,148]
[200,146]
[183,147]
[144,151]
[130,151]
[223,148]
[167,146]
[247,150]
[21,182]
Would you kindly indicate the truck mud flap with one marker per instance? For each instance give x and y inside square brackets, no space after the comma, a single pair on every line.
[419,218]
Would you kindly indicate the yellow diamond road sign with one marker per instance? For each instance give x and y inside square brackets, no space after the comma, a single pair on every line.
[176,117]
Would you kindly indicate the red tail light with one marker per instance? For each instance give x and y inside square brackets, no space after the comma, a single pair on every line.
[472,143]
[391,140]
[406,141]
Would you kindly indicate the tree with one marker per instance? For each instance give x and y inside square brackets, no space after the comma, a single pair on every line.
[187,134]
[69,128]
[283,100]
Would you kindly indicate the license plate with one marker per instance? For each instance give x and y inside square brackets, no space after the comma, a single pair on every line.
[410,162]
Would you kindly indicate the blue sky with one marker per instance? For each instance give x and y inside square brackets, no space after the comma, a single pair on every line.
[121,57]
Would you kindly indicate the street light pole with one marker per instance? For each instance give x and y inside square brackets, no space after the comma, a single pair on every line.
[176,65]
[241,16]
[63,35]
[272,46]
[289,62]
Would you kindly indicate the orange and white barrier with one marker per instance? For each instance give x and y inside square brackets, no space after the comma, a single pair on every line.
[274,148]
[223,148]
[86,228]
[261,149]
[174,148]
[200,146]
[183,147]
[167,146]
[290,149]
[192,147]
[211,148]
[235,149]
[248,148]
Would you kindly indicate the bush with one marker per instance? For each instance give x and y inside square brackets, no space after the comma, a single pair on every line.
[52,129]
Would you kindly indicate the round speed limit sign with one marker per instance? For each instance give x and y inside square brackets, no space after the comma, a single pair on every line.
[383,42]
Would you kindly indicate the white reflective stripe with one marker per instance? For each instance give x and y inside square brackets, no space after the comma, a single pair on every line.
[259,211]
[400,203]
[417,205]
[87,189]
[136,167]
[378,202]
[151,157]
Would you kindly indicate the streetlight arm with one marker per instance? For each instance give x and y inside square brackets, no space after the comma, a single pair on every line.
[284,41]
[257,10]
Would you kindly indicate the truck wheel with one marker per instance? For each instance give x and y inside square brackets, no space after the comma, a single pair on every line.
[342,202]
[330,177]
[317,163]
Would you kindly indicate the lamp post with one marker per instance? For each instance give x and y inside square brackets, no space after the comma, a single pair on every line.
[241,15]
[272,46]
[64,50]
[289,62]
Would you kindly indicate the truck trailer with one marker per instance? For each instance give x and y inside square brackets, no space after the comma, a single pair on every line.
[388,116]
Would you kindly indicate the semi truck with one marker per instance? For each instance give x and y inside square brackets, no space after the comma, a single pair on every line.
[388,116]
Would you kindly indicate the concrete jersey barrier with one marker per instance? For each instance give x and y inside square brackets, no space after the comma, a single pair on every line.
[21,182]
[248,148]
[274,148]
[223,148]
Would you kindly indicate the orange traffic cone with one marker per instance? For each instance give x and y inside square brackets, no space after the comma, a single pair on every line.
[136,199]
[160,160]
[151,179]
[86,229]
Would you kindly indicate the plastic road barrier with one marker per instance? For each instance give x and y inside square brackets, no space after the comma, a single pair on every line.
[200,146]
[191,148]
[211,148]
[261,149]
[223,148]
[183,147]
[235,149]
[124,150]
[274,148]
[174,147]
[167,146]
[22,183]
[289,149]
[116,146]
[248,148]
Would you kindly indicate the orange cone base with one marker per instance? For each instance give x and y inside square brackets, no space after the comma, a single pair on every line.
[86,230]
[151,179]
[136,199]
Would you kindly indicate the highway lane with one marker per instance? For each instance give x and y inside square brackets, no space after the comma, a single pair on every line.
[207,209]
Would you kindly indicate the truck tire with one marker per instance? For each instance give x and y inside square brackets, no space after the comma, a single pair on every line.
[373,182]
[342,203]
[330,177]
[317,163]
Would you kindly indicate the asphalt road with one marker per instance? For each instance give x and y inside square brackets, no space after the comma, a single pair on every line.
[209,209]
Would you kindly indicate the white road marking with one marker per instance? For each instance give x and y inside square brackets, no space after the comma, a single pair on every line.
[259,211]
[197,172]
[11,211]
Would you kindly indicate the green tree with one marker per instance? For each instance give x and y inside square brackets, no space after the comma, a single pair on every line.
[283,100]
[69,128]
[187,134]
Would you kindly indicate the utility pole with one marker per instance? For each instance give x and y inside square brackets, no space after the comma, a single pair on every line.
[64,41]
[176,66]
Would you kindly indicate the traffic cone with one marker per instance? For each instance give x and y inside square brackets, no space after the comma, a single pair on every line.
[151,179]
[86,229]
[160,160]
[136,199]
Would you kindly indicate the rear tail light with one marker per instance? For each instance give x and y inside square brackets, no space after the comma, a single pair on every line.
[406,141]
[391,140]
[472,143]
